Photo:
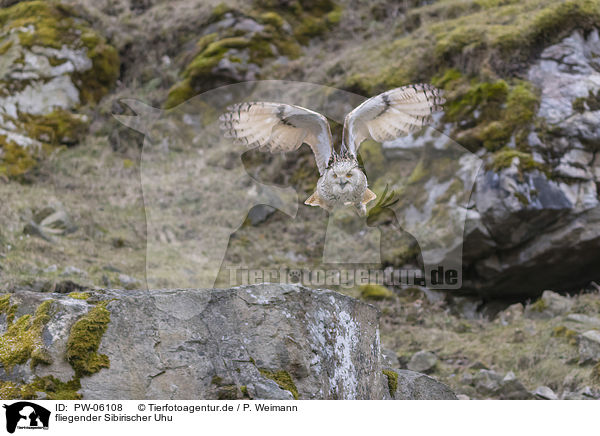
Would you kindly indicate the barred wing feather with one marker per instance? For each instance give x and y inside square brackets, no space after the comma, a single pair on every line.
[278,127]
[392,114]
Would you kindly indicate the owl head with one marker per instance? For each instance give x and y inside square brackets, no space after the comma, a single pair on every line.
[344,176]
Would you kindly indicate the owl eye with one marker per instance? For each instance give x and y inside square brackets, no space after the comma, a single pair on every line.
[348,175]
[335,176]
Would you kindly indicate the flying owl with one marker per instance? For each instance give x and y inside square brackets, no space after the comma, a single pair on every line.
[283,127]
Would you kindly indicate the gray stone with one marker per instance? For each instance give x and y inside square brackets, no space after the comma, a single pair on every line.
[422,361]
[512,389]
[72,270]
[415,386]
[208,344]
[129,282]
[589,346]
[487,381]
[259,214]
[550,305]
[389,358]
[584,319]
[545,393]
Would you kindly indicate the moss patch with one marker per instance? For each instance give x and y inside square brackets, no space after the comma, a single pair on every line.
[505,157]
[84,340]
[375,292]
[51,386]
[539,306]
[283,379]
[392,378]
[79,295]
[7,309]
[563,332]
[22,340]
[56,128]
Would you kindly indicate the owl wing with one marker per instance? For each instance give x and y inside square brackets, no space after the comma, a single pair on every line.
[390,115]
[279,127]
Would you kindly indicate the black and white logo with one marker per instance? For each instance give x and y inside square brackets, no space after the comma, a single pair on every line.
[26,415]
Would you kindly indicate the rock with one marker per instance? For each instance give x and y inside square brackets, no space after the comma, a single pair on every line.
[259,214]
[549,305]
[585,393]
[512,389]
[262,342]
[52,268]
[511,314]
[545,393]
[487,381]
[589,346]
[422,361]
[584,319]
[415,386]
[47,76]
[462,397]
[389,358]
[50,221]
[72,270]
[541,223]
[129,282]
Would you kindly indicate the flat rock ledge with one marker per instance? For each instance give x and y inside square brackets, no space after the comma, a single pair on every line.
[257,342]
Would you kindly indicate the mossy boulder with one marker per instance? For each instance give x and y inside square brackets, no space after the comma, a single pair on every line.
[52,64]
[238,45]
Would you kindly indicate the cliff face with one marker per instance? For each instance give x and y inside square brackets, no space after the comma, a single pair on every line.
[255,342]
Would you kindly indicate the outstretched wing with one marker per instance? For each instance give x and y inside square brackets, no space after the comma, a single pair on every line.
[390,115]
[279,127]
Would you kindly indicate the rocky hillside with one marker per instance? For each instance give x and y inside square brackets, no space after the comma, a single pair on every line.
[505,181]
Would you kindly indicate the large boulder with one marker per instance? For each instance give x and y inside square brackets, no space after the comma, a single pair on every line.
[259,342]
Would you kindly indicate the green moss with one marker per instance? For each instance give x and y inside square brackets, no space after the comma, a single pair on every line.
[589,103]
[245,393]
[283,379]
[22,340]
[180,92]
[375,292]
[50,385]
[9,310]
[563,332]
[522,198]
[15,160]
[84,340]
[392,378]
[504,159]
[272,18]
[5,47]
[79,295]
[96,82]
[56,128]
[539,306]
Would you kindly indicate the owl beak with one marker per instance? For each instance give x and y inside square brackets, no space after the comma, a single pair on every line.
[343,183]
